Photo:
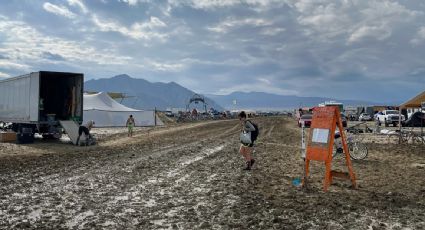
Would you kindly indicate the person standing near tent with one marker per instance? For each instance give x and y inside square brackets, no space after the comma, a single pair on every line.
[246,148]
[130,124]
[86,130]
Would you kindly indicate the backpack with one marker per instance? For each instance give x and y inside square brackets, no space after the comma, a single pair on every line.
[254,134]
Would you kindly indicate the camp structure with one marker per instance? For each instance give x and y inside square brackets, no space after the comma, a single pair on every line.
[415,107]
[416,102]
[106,112]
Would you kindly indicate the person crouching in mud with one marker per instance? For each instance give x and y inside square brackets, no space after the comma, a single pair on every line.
[246,148]
[86,130]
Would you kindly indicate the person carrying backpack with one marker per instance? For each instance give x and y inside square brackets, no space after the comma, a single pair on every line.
[248,136]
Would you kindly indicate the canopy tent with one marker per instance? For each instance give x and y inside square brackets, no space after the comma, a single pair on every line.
[106,112]
[414,102]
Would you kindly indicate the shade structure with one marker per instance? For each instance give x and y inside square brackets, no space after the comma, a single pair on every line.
[106,112]
[415,102]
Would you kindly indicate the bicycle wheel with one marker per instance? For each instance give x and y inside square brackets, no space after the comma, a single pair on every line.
[418,139]
[335,151]
[358,151]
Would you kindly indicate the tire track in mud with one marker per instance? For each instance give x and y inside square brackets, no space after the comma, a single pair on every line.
[270,131]
[89,179]
[167,188]
[193,179]
[215,191]
[164,180]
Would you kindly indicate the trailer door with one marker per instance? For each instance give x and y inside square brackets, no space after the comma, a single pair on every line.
[34,96]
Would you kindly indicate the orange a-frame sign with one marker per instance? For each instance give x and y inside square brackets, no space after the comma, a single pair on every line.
[321,140]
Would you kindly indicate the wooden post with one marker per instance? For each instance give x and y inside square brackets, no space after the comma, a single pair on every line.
[154,114]
[303,153]
[347,153]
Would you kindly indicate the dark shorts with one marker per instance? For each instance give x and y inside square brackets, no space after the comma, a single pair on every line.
[248,145]
[83,129]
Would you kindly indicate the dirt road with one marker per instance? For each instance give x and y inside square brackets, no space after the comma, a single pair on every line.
[190,177]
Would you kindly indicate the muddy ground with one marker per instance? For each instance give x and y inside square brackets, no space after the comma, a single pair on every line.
[190,176]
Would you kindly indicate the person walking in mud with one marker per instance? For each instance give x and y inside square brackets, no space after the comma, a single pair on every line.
[246,143]
[130,125]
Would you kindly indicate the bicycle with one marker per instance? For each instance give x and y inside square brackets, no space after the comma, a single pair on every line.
[406,136]
[357,149]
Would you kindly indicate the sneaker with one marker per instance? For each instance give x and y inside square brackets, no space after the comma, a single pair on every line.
[252,162]
[248,166]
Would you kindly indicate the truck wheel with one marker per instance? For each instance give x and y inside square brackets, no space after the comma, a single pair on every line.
[47,136]
[25,134]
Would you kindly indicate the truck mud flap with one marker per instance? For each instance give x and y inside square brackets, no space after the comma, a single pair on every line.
[71,128]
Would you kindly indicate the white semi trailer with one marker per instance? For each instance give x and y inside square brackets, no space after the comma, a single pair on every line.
[36,102]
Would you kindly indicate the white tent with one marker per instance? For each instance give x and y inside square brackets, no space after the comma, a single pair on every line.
[106,112]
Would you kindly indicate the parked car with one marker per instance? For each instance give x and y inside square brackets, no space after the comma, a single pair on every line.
[169,113]
[352,117]
[365,117]
[305,119]
[416,120]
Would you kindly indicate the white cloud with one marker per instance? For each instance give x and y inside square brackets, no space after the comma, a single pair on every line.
[24,44]
[234,62]
[135,2]
[258,5]
[418,71]
[265,81]
[420,36]
[131,2]
[80,4]
[3,75]
[379,33]
[231,23]
[259,87]
[165,67]
[145,31]
[206,4]
[272,31]
[354,20]
[10,65]
[58,10]
[323,21]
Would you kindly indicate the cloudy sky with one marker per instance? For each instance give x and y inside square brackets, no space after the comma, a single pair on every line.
[348,49]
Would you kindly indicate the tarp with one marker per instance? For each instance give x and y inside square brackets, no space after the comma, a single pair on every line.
[414,102]
[106,112]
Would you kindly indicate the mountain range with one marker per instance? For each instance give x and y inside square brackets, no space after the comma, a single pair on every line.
[143,94]
[146,95]
[267,101]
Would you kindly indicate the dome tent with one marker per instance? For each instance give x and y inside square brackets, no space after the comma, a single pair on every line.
[106,112]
